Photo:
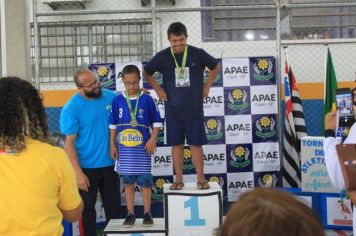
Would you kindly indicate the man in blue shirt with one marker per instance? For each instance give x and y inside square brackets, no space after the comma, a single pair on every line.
[182,67]
[85,120]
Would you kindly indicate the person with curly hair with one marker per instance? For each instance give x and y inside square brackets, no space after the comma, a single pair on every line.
[38,187]
[270,212]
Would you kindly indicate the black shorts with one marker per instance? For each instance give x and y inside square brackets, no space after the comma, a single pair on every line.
[192,130]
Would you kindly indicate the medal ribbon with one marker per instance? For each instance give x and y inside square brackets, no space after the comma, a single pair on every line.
[132,113]
[182,68]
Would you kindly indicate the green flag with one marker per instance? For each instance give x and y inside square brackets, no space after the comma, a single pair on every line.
[330,86]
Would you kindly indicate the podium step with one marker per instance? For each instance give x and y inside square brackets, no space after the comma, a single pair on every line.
[198,212]
[192,188]
[115,227]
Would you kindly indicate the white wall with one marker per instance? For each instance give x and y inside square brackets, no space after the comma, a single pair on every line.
[307,60]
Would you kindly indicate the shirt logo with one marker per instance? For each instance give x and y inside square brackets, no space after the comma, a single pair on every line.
[130,137]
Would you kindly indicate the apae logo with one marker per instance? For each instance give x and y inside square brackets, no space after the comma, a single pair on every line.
[214,157]
[241,184]
[239,127]
[264,98]
[162,160]
[218,180]
[239,157]
[265,127]
[266,155]
[157,188]
[236,70]
[267,180]
[213,100]
[187,161]
[104,74]
[160,138]
[263,69]
[108,108]
[237,100]
[213,129]
[140,113]
[206,74]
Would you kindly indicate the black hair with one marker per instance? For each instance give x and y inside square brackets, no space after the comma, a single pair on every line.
[21,114]
[129,69]
[177,29]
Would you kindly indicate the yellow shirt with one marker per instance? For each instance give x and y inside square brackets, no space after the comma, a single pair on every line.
[34,185]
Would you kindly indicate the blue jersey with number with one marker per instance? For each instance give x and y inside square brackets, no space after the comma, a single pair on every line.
[133,159]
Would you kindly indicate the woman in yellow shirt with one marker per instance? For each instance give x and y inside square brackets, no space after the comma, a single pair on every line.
[37,183]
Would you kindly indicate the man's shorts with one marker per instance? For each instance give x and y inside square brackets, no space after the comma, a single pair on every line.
[192,130]
[144,180]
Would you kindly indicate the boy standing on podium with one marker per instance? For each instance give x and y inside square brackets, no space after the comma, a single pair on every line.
[131,143]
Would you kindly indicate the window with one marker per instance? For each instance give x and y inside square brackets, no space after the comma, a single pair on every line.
[238,25]
[68,46]
[321,23]
[260,24]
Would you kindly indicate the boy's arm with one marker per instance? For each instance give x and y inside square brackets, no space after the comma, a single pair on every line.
[113,148]
[150,146]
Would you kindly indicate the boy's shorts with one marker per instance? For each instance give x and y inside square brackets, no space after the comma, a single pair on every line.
[143,180]
[193,130]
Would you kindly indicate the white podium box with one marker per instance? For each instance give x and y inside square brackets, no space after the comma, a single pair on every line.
[315,177]
[198,212]
[114,227]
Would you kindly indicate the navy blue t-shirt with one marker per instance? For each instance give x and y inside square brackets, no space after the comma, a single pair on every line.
[184,103]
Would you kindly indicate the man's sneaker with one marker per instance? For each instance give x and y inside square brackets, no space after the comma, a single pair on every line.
[147,219]
[129,220]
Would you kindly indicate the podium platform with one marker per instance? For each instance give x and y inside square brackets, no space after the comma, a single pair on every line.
[114,227]
[188,211]
[198,212]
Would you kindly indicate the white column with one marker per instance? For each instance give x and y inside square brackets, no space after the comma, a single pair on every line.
[15,39]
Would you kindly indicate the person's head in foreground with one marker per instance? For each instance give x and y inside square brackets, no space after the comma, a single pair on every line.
[21,114]
[270,212]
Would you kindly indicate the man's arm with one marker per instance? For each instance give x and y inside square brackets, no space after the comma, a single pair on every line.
[73,215]
[210,80]
[69,147]
[152,82]
[113,148]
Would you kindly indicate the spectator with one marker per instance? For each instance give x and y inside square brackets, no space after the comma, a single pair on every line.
[270,212]
[331,157]
[38,187]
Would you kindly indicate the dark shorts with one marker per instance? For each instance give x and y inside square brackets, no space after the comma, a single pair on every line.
[144,180]
[192,130]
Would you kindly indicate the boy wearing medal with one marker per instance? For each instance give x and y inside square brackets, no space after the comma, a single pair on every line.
[183,90]
[131,143]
